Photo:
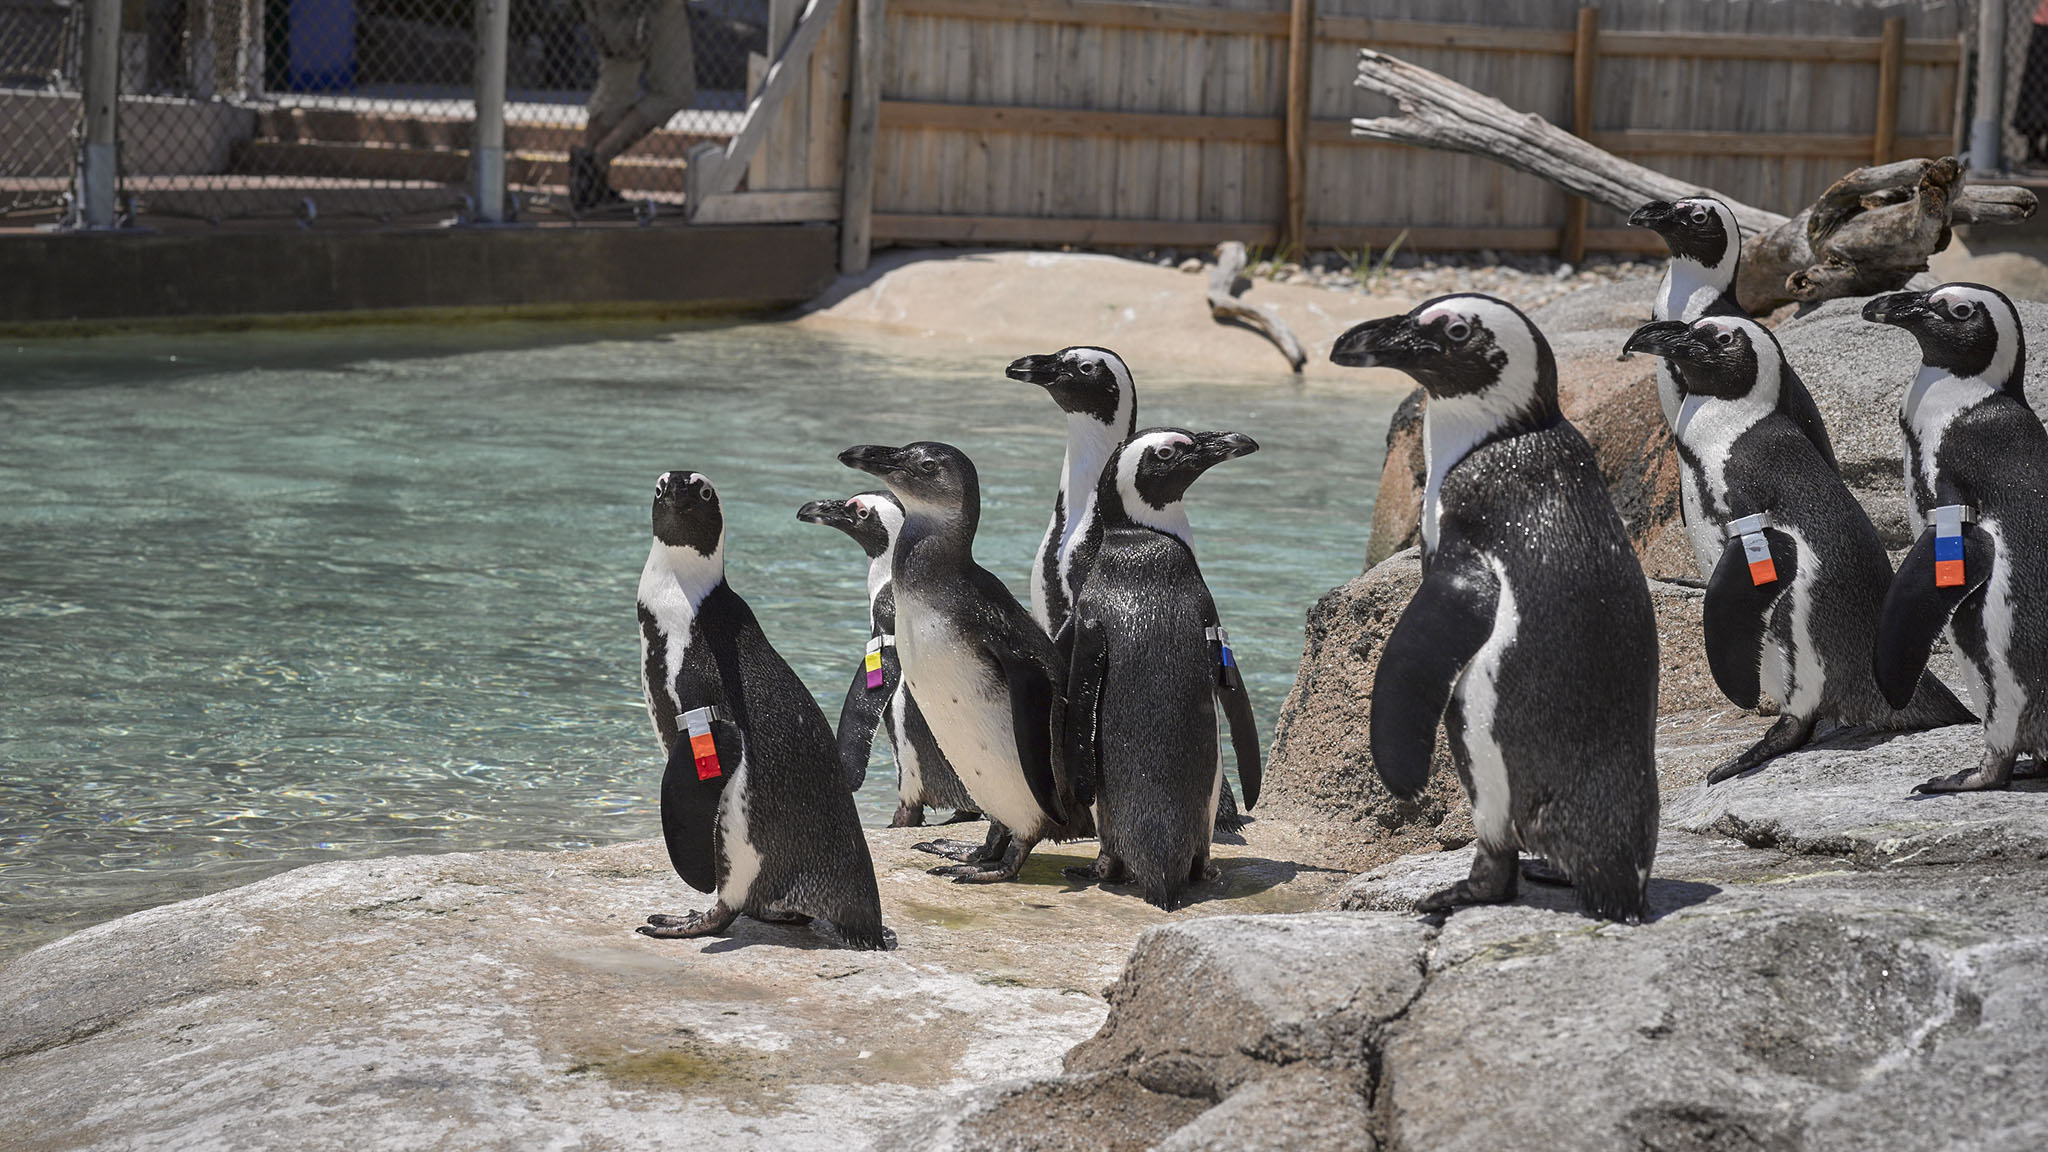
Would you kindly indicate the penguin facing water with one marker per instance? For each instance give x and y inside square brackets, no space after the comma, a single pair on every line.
[1976,472]
[1793,601]
[878,697]
[753,804]
[1150,665]
[982,671]
[1531,638]
[1706,255]
[1094,388]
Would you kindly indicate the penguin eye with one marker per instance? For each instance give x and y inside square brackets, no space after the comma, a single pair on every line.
[704,493]
[1458,331]
[1164,452]
[1699,215]
[1724,339]
[1961,310]
[929,467]
[861,512]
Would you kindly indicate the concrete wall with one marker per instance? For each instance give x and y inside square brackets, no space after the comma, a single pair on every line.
[160,135]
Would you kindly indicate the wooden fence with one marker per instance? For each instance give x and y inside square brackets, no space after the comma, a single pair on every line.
[1112,122]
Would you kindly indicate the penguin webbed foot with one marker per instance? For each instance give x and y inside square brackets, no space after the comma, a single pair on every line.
[1539,870]
[962,816]
[908,816]
[990,851]
[1992,774]
[690,925]
[1493,880]
[1789,734]
[1011,864]
[1106,869]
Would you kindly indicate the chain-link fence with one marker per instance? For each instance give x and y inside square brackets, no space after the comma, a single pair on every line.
[341,112]
[2025,124]
[39,108]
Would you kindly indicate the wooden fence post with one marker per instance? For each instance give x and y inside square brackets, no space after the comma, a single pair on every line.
[1301,21]
[863,119]
[1891,55]
[1585,49]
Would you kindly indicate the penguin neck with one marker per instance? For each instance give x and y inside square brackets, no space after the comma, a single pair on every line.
[1932,401]
[1690,288]
[1090,443]
[1454,426]
[934,536]
[881,570]
[677,578]
[1708,427]
[1121,504]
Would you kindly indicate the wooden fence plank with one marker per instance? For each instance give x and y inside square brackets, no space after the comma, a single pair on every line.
[1585,50]
[1142,233]
[1300,25]
[864,109]
[1888,80]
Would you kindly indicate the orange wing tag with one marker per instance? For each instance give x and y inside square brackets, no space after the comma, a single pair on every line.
[1756,547]
[1948,543]
[702,747]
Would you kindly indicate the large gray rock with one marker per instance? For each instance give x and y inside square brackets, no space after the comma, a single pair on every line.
[1858,372]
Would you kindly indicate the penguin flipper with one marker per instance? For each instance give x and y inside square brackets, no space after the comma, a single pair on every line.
[1733,617]
[1915,611]
[1244,729]
[689,807]
[1032,698]
[1086,670]
[859,716]
[1443,627]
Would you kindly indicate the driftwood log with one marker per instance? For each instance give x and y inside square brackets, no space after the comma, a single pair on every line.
[1225,306]
[1871,232]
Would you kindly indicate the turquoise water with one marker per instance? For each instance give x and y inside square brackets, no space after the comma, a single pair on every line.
[274,598]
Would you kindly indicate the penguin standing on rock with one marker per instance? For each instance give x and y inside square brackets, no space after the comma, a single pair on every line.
[753,804]
[1095,389]
[1793,602]
[1531,638]
[1706,255]
[1150,664]
[982,671]
[1976,465]
[877,697]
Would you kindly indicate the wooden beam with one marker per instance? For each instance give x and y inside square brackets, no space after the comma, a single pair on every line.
[1080,122]
[1889,66]
[1203,233]
[713,170]
[1300,24]
[1657,142]
[863,124]
[1384,34]
[782,207]
[1585,55]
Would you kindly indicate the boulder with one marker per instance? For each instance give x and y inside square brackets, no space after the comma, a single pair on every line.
[1858,372]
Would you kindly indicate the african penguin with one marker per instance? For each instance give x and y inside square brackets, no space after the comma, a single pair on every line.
[983,672]
[1793,602]
[1706,256]
[1531,638]
[752,802]
[1976,471]
[877,695]
[1095,390]
[1150,664]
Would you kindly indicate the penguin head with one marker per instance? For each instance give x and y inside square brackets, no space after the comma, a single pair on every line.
[1462,346]
[1154,468]
[1967,330]
[686,512]
[1698,228]
[1090,382]
[871,518]
[1722,357]
[926,477]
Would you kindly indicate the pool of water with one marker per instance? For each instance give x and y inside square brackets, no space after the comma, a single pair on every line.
[274,598]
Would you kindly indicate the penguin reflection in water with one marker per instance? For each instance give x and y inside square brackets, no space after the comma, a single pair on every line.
[1531,638]
[752,802]
[1793,599]
[1150,664]
[1095,390]
[1976,463]
[878,698]
[982,671]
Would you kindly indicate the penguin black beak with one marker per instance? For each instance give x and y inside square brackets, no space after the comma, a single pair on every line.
[1043,371]
[1899,309]
[1654,216]
[831,513]
[874,459]
[1671,338]
[1216,447]
[1389,342]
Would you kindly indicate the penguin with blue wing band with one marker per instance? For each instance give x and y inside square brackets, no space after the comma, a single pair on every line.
[1976,473]
[1793,603]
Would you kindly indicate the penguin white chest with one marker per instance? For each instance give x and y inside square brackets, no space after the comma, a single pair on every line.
[967,709]
[742,859]
[1479,702]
